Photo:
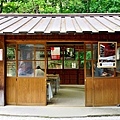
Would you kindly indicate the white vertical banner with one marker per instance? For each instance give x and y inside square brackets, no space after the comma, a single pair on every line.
[1,54]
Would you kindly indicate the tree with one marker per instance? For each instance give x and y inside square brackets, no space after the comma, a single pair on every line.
[1,5]
[60,6]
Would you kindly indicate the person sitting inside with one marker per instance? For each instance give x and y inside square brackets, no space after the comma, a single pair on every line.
[39,72]
[99,71]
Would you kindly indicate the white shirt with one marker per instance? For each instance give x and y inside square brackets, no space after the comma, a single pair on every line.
[39,72]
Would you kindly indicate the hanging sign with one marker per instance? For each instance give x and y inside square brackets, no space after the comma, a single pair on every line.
[55,53]
[1,54]
[107,54]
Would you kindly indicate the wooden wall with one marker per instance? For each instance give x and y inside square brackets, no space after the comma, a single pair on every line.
[69,76]
[67,37]
[102,91]
[99,91]
[2,73]
[105,92]
[25,91]
[89,92]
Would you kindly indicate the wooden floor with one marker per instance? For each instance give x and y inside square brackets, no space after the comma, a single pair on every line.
[69,95]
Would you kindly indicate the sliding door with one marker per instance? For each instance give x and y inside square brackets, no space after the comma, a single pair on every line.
[23,87]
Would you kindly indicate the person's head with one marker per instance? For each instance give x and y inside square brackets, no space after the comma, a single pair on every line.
[38,67]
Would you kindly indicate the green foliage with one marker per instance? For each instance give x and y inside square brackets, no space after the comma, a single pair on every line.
[60,6]
[10,53]
[10,7]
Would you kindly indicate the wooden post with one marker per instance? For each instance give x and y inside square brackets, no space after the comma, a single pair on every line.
[2,73]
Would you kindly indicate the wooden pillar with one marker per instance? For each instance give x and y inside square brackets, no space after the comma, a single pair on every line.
[2,73]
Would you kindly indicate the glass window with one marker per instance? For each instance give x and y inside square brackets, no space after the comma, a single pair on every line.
[88,55]
[39,69]
[40,52]
[69,53]
[41,64]
[81,59]
[76,55]
[30,56]
[26,52]
[40,55]
[11,57]
[26,68]
[88,46]
[82,64]
[103,72]
[55,64]
[118,66]
[88,69]
[95,51]
[70,64]
[11,68]
[118,62]
[11,49]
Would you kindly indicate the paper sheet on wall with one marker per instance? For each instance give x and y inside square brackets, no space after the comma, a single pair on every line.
[1,54]
[55,53]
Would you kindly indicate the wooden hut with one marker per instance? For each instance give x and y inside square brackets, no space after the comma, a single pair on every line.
[65,44]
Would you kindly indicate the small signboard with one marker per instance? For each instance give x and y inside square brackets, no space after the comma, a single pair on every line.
[70,53]
[107,54]
[55,53]
[1,54]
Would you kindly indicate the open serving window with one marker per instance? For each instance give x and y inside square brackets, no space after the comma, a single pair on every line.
[107,54]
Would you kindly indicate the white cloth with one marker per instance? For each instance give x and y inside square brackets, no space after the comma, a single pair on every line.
[39,72]
[49,91]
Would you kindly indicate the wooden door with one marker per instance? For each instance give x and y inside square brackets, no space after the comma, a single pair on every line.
[105,91]
[89,92]
[23,87]
[26,91]
[31,91]
[11,90]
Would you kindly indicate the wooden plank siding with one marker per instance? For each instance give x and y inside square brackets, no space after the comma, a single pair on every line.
[118,86]
[102,92]
[10,93]
[31,91]
[25,91]
[89,90]
[86,37]
[106,91]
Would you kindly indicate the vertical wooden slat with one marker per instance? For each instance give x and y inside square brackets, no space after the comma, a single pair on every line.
[10,91]
[88,92]
[98,91]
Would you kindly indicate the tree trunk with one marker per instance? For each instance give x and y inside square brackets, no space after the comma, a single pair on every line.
[60,6]
[1,6]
